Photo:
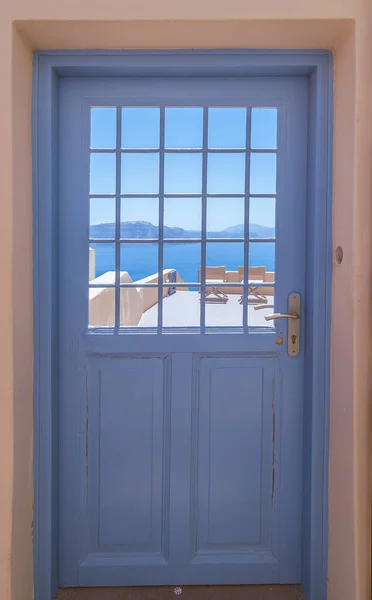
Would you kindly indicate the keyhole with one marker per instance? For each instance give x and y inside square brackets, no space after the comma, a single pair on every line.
[294,338]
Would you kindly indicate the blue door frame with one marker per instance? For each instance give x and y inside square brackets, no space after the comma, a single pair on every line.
[49,66]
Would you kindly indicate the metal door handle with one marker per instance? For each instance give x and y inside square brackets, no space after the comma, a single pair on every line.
[292,315]
[294,322]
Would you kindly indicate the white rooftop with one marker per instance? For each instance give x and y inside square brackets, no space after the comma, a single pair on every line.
[182,309]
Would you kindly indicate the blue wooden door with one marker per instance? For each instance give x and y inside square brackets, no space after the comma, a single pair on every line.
[182,206]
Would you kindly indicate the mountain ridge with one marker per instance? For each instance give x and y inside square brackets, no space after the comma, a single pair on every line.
[145,229]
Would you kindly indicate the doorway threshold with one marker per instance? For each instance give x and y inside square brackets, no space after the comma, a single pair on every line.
[192,592]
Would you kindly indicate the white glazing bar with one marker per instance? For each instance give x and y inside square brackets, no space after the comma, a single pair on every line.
[117,218]
[139,195]
[180,195]
[264,150]
[161,220]
[102,240]
[246,221]
[263,195]
[262,240]
[204,220]
[225,195]
[155,240]
[225,240]
[189,284]
[140,240]
[183,150]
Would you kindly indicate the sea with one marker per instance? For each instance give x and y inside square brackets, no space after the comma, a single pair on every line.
[141,260]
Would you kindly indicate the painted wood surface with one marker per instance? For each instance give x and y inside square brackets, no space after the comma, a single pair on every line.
[180,455]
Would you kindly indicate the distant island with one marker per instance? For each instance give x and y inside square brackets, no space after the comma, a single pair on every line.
[144,229]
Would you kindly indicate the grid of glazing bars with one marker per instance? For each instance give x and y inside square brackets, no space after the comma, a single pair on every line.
[204,195]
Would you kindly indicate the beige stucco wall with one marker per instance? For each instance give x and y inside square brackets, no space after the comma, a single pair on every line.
[133,301]
[342,25]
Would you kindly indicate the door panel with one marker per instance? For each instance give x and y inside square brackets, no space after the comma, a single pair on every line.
[180,409]
[234,420]
[127,432]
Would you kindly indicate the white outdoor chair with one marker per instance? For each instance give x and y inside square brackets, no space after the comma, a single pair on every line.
[256,276]
[214,277]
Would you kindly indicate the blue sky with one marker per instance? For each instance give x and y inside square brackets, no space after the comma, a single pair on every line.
[182,171]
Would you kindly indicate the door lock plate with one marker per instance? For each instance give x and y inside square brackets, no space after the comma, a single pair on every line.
[294,325]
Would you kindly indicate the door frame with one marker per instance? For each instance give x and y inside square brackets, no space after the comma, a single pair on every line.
[49,66]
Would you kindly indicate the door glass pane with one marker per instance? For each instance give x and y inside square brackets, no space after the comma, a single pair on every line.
[101,311]
[140,261]
[182,217]
[223,309]
[225,217]
[139,218]
[140,173]
[262,254]
[261,270]
[264,128]
[227,127]
[102,218]
[183,173]
[229,258]
[262,218]
[92,263]
[257,312]
[263,173]
[185,259]
[181,306]
[223,291]
[226,173]
[183,127]
[103,256]
[139,306]
[103,128]
[140,127]
[102,173]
